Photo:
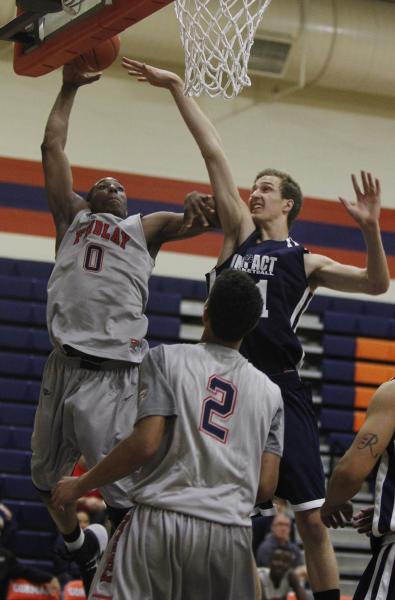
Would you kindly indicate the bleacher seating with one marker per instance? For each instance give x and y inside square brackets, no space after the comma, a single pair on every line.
[24,346]
[353,350]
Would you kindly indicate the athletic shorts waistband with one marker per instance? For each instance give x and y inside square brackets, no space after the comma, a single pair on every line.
[286,377]
[388,538]
[79,360]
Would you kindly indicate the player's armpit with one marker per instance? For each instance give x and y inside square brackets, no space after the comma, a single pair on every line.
[270,464]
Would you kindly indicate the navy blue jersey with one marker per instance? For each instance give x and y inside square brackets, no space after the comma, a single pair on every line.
[384,500]
[277,267]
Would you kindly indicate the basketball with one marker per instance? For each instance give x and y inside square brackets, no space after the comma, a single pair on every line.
[100,57]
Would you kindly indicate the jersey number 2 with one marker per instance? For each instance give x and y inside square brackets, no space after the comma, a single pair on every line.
[221,404]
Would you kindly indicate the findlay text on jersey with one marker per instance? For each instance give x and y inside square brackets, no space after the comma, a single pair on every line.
[105,231]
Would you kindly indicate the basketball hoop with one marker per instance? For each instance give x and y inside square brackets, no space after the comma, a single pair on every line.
[72,7]
[217,36]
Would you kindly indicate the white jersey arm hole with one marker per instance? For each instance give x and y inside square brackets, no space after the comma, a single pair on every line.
[77,217]
[138,217]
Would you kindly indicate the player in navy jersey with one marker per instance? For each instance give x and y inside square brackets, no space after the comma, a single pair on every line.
[374,443]
[97,294]
[256,240]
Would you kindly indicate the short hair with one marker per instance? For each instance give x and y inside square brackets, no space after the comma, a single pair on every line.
[289,189]
[88,197]
[282,550]
[234,305]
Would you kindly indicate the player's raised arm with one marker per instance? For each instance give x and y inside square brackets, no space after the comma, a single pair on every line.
[63,202]
[233,213]
[366,449]
[374,278]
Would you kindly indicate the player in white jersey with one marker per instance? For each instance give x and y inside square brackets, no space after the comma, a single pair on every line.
[207,440]
[256,240]
[97,295]
[374,443]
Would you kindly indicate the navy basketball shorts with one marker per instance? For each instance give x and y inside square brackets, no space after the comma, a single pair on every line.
[378,579]
[302,480]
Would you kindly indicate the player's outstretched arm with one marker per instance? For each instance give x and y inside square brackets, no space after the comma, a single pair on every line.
[63,202]
[161,227]
[366,449]
[125,458]
[374,278]
[233,213]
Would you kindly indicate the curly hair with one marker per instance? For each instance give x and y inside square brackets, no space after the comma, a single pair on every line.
[234,305]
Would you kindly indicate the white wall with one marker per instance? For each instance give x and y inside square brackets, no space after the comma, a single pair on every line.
[320,137]
[120,124]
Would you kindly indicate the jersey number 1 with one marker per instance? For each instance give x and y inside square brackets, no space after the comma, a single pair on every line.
[262,287]
[221,404]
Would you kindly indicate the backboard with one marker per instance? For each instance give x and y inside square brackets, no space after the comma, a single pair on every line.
[46,38]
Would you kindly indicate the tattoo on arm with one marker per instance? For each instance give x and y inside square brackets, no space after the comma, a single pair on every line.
[368,441]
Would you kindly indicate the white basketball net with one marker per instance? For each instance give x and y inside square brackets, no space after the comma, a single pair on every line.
[217,36]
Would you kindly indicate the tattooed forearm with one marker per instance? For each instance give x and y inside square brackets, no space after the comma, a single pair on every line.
[368,441]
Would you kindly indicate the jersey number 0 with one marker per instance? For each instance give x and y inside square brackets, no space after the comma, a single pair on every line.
[93,259]
[221,404]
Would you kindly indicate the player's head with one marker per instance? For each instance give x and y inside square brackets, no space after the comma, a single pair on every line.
[275,193]
[280,561]
[108,196]
[233,307]
[281,528]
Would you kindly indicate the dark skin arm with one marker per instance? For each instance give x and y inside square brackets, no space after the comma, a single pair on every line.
[63,202]
[125,458]
[299,592]
[161,227]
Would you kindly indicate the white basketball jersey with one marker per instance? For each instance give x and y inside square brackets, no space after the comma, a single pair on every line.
[98,289]
[227,414]
[271,592]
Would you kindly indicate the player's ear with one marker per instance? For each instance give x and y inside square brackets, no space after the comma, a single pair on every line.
[288,204]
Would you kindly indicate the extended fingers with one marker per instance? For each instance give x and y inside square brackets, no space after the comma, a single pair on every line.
[365,181]
[197,207]
[355,184]
[134,67]
[370,184]
[130,62]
